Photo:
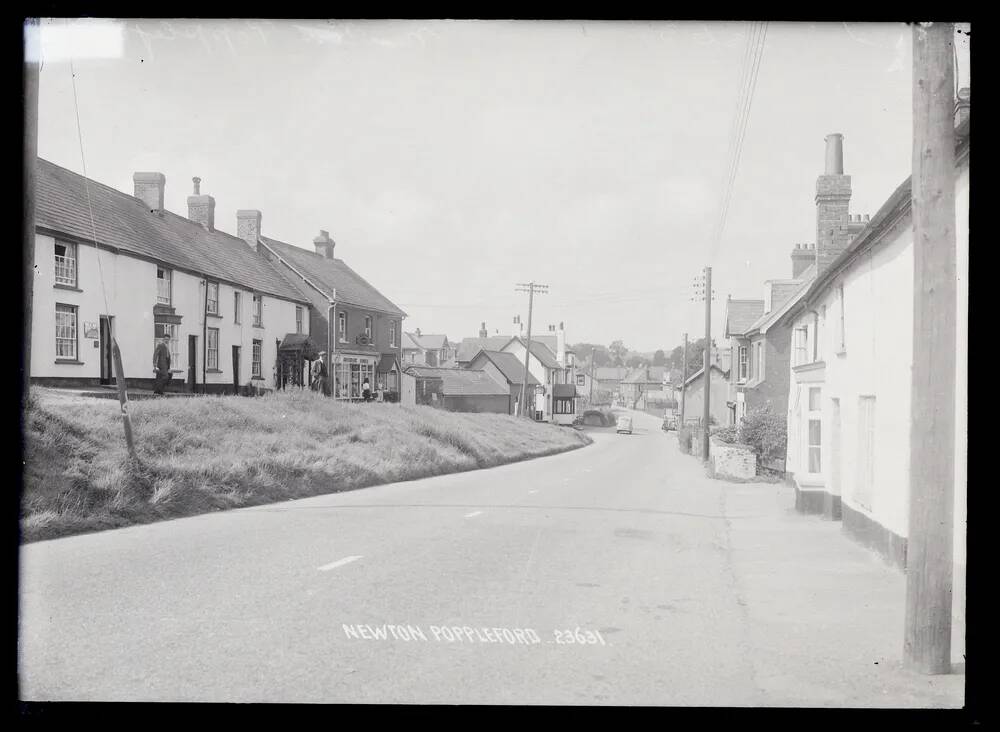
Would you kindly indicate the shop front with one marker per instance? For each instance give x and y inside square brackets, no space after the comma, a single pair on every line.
[350,372]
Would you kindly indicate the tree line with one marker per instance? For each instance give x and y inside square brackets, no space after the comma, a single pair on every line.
[617,354]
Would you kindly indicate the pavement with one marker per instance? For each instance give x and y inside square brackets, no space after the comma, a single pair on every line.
[618,574]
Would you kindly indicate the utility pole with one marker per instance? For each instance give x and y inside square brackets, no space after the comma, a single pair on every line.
[929,550]
[708,354]
[684,375]
[531,288]
[32,36]
[593,352]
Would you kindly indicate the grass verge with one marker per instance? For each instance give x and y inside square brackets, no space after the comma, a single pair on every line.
[219,452]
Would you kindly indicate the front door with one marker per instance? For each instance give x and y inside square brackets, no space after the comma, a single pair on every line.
[236,370]
[107,369]
[192,363]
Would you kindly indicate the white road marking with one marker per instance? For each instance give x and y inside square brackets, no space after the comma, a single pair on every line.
[338,563]
[474,513]
[534,491]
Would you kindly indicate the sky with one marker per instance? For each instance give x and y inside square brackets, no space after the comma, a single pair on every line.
[452,160]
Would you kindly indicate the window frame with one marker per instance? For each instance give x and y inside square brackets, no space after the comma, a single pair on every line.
[368,327]
[209,364]
[298,319]
[237,307]
[392,334]
[169,279]
[342,327]
[258,311]
[75,339]
[800,337]
[174,330]
[743,365]
[813,415]
[208,298]
[75,259]
[257,359]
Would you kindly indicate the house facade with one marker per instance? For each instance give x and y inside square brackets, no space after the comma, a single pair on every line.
[358,328]
[693,396]
[505,368]
[549,369]
[427,349]
[644,386]
[150,273]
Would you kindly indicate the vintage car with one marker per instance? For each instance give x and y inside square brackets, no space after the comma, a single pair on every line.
[624,424]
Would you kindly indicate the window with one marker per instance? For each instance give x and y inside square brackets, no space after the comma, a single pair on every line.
[760,360]
[342,327]
[213,348]
[392,334]
[866,452]
[258,311]
[350,374]
[212,305]
[800,336]
[65,264]
[814,429]
[169,329]
[163,281]
[237,307]
[820,332]
[840,320]
[564,405]
[66,332]
[298,319]
[255,372]
[744,370]
[581,379]
[368,327]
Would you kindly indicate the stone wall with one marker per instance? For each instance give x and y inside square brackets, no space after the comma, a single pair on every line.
[731,461]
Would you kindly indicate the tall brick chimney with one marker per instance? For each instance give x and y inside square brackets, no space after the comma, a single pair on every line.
[324,244]
[833,197]
[201,209]
[248,226]
[482,330]
[802,256]
[149,188]
[561,344]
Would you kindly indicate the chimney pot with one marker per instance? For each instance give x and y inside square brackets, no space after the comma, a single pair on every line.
[197,185]
[868,218]
[201,209]
[835,154]
[149,189]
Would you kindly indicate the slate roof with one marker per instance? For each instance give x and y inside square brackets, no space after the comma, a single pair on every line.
[540,351]
[469,347]
[741,314]
[700,371]
[333,275]
[639,375]
[769,318]
[409,344]
[509,365]
[123,222]
[462,382]
[429,342]
[609,373]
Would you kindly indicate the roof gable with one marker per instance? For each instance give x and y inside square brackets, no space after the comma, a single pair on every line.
[508,364]
[334,277]
[462,382]
[741,314]
[539,350]
[469,347]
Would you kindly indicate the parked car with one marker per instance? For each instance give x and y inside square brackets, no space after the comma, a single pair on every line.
[624,424]
[669,423]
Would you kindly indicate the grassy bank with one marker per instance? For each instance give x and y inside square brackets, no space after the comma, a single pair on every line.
[210,453]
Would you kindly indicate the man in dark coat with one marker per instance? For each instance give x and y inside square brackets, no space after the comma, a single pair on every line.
[161,362]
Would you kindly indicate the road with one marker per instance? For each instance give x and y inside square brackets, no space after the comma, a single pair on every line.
[600,576]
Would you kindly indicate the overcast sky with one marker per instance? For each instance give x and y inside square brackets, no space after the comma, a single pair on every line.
[452,160]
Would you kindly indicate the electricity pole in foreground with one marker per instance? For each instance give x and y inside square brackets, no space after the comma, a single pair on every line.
[684,375]
[531,288]
[929,549]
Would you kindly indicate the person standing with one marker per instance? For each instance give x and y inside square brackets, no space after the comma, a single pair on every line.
[161,363]
[366,390]
[319,374]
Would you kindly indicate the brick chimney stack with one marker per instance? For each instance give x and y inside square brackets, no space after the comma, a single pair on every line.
[201,209]
[482,330]
[833,197]
[803,255]
[149,188]
[561,344]
[324,244]
[248,226]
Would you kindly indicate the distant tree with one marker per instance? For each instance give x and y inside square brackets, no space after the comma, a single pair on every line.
[601,358]
[634,362]
[618,351]
[660,358]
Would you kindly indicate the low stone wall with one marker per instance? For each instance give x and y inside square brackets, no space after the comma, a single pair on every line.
[731,460]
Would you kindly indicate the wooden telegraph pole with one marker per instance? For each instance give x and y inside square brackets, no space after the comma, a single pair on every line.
[31,32]
[684,375]
[708,357]
[927,641]
[531,288]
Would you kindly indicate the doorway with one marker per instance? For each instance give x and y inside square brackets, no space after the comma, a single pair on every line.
[107,367]
[236,370]
[192,363]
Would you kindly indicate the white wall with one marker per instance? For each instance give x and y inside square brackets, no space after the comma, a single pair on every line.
[130,284]
[536,369]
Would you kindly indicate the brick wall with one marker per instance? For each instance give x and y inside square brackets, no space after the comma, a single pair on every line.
[833,198]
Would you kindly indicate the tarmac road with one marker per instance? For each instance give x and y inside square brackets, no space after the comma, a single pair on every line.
[601,576]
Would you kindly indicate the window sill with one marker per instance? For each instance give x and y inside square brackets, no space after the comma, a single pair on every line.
[213,371]
[69,361]
[842,352]
[71,288]
[259,325]
[214,315]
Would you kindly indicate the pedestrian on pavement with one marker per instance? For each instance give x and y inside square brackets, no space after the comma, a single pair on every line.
[319,373]
[366,390]
[161,364]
